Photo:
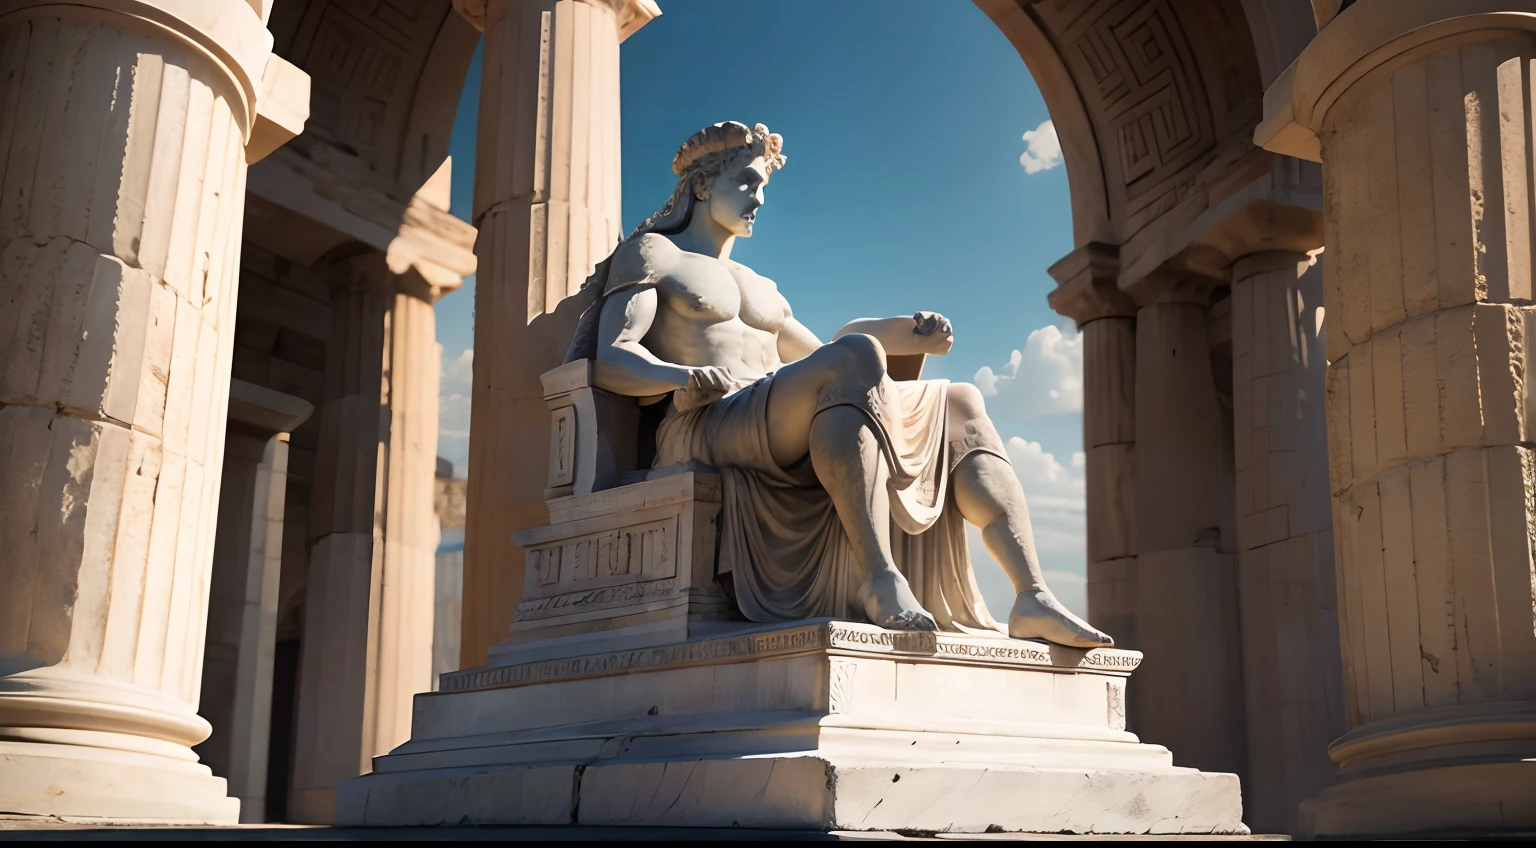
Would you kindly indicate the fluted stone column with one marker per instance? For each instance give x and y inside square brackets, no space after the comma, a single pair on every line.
[1186,593]
[1087,293]
[1421,113]
[125,129]
[547,206]
[1293,683]
[367,643]
[242,600]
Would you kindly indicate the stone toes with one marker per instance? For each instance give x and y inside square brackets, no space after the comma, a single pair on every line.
[909,620]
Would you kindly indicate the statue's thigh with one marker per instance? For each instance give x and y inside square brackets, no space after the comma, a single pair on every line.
[792,397]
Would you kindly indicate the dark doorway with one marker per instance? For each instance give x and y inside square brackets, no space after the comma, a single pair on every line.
[285,688]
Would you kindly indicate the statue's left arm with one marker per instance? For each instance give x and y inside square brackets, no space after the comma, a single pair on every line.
[925,332]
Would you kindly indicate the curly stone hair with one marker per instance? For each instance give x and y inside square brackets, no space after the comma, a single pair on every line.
[702,159]
[707,153]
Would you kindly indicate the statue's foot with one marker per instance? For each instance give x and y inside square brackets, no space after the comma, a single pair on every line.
[889,603]
[1038,615]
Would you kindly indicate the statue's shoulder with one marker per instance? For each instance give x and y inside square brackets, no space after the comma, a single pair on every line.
[643,260]
[744,273]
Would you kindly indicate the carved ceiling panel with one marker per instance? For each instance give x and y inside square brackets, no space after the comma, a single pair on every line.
[1165,83]
[365,59]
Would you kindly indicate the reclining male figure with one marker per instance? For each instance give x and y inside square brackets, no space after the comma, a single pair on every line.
[756,393]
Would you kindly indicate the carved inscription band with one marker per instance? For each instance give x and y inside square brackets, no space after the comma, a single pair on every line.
[842,637]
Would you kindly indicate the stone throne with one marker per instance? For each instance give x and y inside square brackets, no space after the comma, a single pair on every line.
[629,556]
[631,692]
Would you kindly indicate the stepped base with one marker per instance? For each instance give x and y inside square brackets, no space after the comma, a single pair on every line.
[807,726]
[105,785]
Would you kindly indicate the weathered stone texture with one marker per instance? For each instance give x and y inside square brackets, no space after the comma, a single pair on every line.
[121,287]
[122,182]
[547,205]
[369,597]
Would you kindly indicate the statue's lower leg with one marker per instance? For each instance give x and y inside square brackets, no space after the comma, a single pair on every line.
[845,453]
[988,495]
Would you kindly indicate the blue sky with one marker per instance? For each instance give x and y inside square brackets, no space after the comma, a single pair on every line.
[910,185]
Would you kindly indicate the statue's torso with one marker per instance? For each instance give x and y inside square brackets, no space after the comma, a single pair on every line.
[715,312]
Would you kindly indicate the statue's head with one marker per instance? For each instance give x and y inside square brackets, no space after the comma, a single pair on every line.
[721,172]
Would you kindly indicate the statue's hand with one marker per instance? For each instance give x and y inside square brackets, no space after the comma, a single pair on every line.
[709,378]
[935,333]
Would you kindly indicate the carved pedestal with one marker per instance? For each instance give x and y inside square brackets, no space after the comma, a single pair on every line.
[815,725]
[628,567]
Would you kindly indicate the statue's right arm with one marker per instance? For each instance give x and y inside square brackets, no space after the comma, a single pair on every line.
[629,368]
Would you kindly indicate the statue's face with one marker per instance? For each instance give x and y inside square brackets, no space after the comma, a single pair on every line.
[736,195]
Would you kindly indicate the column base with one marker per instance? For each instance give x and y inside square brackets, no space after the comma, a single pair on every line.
[86,747]
[1464,800]
[79,783]
[1467,770]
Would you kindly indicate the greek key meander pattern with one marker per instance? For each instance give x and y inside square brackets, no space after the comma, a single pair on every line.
[363,58]
[844,638]
[1162,86]
[1132,58]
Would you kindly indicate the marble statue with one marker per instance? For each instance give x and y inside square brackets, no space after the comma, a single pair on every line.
[844,491]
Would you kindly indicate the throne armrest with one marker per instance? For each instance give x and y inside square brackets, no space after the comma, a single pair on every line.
[593,434]
[908,366]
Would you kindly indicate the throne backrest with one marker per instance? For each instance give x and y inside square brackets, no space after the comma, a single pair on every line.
[593,434]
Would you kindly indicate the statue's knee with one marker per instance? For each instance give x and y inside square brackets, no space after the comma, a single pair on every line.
[966,399]
[859,356]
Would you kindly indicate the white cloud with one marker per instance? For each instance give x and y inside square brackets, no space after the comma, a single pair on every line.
[1044,378]
[1043,149]
[453,410]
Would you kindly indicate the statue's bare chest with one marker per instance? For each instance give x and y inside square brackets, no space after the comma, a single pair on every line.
[711,291]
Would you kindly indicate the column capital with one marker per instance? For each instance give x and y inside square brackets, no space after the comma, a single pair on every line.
[332,198]
[1357,40]
[229,33]
[1267,224]
[1265,261]
[1190,276]
[1086,288]
[263,412]
[630,14]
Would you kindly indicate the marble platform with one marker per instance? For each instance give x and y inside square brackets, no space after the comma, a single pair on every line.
[816,725]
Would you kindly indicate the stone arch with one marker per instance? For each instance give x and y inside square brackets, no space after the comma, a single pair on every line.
[1188,238]
[385,77]
[1144,94]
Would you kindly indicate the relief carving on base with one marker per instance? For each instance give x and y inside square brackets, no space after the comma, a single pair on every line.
[840,674]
